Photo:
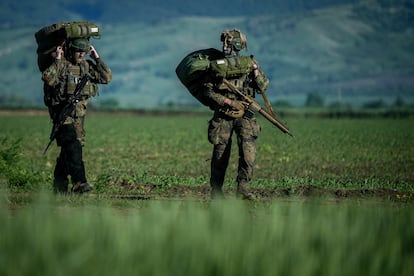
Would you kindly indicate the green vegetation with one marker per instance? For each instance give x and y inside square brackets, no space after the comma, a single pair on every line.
[123,150]
[70,236]
[151,156]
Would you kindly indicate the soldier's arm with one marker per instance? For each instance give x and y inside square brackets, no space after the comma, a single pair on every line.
[219,100]
[262,82]
[99,70]
[210,94]
[51,75]
[260,79]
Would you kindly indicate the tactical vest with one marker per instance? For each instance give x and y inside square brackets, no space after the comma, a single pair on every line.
[236,70]
[231,67]
[74,75]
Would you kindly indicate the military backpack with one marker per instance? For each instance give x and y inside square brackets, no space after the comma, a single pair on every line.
[231,67]
[58,34]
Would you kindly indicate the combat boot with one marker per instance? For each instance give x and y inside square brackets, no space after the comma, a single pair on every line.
[60,186]
[80,188]
[216,191]
[243,192]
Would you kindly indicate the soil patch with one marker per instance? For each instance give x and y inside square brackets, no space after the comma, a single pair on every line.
[148,191]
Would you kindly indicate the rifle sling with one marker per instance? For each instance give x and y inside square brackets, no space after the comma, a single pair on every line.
[268,105]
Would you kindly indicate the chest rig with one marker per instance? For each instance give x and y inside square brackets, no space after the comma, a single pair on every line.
[237,70]
[74,73]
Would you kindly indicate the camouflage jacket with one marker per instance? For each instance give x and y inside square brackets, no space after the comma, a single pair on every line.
[61,78]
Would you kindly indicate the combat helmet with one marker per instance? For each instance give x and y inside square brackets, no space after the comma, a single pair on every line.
[80,44]
[234,38]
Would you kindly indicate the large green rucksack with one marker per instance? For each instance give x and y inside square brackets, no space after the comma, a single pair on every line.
[193,68]
[230,67]
[58,34]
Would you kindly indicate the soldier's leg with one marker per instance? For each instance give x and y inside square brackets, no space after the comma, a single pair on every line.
[248,131]
[219,134]
[219,163]
[60,181]
[81,186]
[72,148]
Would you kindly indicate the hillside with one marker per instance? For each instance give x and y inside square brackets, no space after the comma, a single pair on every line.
[352,53]
[41,12]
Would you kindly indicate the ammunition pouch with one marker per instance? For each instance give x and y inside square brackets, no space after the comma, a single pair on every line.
[74,77]
[90,89]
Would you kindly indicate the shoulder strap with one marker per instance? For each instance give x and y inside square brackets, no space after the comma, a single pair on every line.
[268,105]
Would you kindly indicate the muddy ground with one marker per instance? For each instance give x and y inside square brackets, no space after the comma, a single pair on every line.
[148,191]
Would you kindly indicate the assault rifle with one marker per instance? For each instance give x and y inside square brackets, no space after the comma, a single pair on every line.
[255,107]
[67,110]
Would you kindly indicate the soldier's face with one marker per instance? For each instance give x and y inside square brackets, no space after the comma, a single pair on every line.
[227,50]
[79,57]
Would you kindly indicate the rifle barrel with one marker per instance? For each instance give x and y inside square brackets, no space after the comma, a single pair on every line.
[275,122]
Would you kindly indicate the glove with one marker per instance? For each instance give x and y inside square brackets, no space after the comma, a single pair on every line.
[93,53]
[235,104]
[59,52]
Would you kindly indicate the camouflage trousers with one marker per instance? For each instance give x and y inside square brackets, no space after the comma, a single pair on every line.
[220,132]
[70,161]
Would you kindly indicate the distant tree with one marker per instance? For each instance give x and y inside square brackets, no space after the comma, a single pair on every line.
[399,102]
[340,105]
[110,104]
[374,104]
[314,100]
[282,103]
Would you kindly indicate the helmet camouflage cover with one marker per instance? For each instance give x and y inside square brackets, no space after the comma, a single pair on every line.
[235,38]
[80,44]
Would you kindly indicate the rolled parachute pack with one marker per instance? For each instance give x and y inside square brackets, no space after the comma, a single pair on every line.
[192,69]
[58,34]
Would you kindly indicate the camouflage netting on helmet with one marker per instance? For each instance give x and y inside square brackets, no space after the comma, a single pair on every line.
[80,44]
[234,38]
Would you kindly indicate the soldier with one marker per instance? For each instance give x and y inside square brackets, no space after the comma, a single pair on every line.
[60,80]
[231,117]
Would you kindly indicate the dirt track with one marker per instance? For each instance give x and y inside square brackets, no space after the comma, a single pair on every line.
[263,194]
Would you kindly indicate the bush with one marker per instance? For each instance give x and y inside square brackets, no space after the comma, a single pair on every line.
[11,168]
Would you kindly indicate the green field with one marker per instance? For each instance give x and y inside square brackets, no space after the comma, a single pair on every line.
[335,200]
[123,150]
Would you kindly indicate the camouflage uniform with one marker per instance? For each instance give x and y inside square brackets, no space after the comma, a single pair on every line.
[60,80]
[221,129]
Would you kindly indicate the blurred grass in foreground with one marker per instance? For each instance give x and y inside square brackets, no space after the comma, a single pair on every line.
[85,236]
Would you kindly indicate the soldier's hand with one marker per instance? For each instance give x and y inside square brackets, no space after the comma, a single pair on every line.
[255,69]
[93,53]
[235,104]
[59,52]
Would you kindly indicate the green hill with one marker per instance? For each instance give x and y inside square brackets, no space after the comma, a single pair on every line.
[352,53]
